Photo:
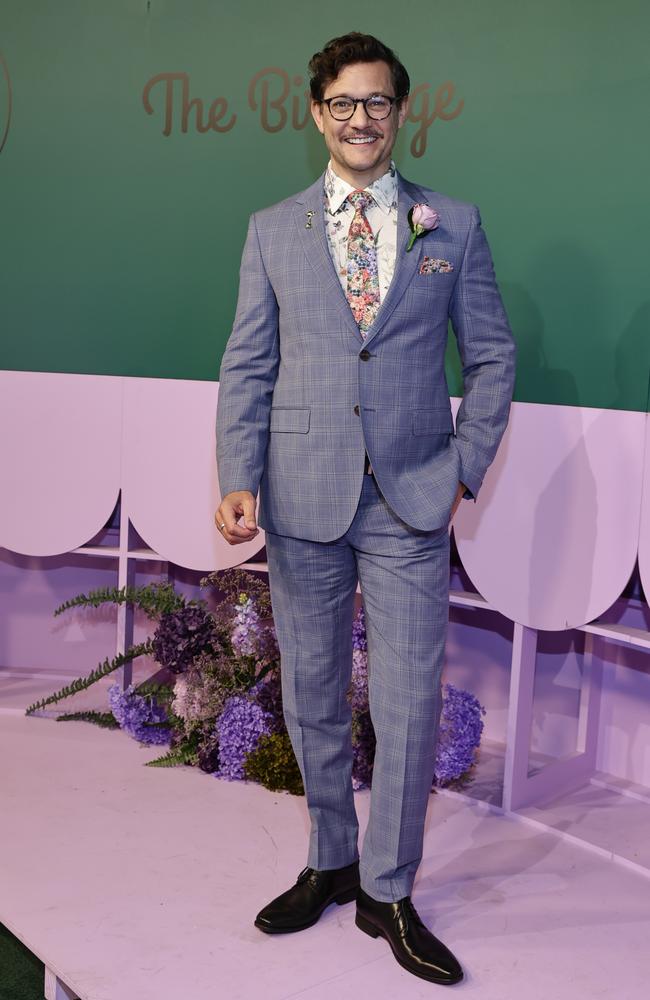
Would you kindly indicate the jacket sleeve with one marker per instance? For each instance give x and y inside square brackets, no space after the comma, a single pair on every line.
[487,352]
[247,376]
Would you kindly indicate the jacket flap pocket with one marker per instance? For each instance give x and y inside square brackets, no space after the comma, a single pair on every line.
[290,418]
[433,421]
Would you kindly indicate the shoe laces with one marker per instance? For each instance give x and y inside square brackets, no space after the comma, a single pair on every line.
[308,875]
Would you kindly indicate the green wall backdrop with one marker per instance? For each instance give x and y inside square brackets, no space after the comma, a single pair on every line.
[120,244]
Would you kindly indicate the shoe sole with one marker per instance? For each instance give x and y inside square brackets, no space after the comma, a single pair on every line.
[374,932]
[344,897]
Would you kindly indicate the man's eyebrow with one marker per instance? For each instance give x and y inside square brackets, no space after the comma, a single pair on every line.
[375,93]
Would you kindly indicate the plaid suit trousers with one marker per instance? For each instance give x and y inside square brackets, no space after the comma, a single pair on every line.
[404,579]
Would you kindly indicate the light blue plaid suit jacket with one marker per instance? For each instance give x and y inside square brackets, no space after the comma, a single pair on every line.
[302,395]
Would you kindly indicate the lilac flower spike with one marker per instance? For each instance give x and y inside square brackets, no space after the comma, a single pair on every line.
[246,636]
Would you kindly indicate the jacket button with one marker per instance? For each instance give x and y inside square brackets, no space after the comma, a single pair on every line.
[356,409]
[365,354]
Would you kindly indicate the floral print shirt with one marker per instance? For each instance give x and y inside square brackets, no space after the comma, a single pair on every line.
[382,216]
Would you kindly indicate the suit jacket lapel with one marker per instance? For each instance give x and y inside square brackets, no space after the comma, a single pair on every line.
[406,264]
[311,230]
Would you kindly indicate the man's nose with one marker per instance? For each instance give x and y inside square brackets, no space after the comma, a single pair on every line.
[360,116]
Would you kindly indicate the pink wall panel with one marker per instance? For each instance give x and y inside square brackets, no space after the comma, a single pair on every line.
[60,451]
[553,537]
[169,472]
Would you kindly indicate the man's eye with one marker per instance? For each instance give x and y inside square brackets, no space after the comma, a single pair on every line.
[378,102]
[341,105]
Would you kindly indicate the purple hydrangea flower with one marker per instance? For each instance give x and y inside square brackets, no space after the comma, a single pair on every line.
[181,636]
[239,728]
[133,710]
[461,726]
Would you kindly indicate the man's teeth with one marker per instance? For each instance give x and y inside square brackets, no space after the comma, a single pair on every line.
[362,139]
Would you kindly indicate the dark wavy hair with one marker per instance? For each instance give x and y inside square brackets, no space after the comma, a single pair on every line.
[354,47]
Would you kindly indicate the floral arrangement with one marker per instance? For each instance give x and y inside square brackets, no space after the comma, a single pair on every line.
[220,705]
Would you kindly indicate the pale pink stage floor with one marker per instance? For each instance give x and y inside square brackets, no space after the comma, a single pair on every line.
[136,883]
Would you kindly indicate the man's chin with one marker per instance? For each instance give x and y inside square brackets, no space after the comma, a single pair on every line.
[362,162]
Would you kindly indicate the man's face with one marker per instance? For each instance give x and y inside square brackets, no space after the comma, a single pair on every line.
[360,147]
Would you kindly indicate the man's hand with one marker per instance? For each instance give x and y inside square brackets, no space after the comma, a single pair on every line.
[232,507]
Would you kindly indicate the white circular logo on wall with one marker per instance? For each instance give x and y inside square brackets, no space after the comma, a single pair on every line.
[5,102]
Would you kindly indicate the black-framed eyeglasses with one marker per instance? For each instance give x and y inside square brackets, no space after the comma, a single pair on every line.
[376,106]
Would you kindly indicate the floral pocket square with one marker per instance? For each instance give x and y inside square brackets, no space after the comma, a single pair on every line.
[432,265]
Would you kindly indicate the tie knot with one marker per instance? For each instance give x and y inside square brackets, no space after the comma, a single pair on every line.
[361,200]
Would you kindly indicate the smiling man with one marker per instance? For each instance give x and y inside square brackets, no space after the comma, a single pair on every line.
[333,402]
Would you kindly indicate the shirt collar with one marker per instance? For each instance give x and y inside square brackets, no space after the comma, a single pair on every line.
[383,190]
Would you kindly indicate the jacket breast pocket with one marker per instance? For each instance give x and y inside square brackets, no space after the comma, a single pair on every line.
[433,421]
[290,418]
[435,278]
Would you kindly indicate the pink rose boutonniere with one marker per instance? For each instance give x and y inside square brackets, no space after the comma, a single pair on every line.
[421,220]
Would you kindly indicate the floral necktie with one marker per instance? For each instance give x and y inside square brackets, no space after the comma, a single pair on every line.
[363,278]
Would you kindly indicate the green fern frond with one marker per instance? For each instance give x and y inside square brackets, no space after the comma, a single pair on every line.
[155,599]
[104,719]
[107,667]
[179,755]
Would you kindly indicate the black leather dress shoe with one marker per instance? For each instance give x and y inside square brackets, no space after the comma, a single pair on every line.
[302,904]
[413,944]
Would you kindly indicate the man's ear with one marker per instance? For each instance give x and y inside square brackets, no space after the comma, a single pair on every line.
[402,111]
[317,115]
